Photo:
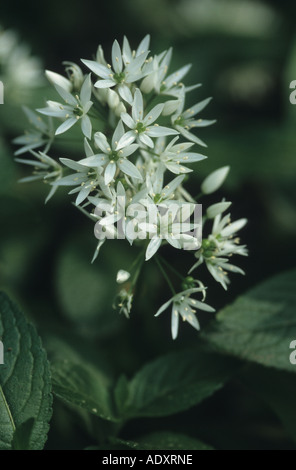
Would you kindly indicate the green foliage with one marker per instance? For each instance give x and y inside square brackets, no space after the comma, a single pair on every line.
[84,386]
[156,441]
[177,382]
[166,441]
[164,387]
[25,386]
[260,325]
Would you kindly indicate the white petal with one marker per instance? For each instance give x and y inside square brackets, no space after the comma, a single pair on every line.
[188,135]
[125,93]
[146,140]
[137,110]
[196,109]
[144,45]
[95,161]
[66,126]
[67,97]
[217,209]
[99,69]
[163,308]
[159,131]
[116,57]
[83,194]
[153,114]
[153,247]
[175,322]
[57,79]
[126,140]
[85,93]
[72,164]
[127,119]
[105,83]
[86,126]
[110,172]
[102,143]
[234,227]
[129,169]
[127,151]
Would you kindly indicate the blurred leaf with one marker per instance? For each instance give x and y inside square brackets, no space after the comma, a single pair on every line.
[7,170]
[84,289]
[277,389]
[164,441]
[24,380]
[22,435]
[260,325]
[177,382]
[121,393]
[84,386]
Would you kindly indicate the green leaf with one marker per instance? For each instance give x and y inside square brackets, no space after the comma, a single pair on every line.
[8,175]
[84,386]
[25,385]
[22,435]
[260,325]
[177,382]
[277,389]
[84,289]
[164,441]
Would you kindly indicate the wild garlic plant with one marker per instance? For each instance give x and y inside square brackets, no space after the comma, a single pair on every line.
[139,142]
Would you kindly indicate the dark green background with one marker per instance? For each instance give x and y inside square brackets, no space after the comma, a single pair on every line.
[45,250]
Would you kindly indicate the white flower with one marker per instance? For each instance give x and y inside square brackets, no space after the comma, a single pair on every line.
[122,276]
[215,180]
[219,246]
[158,80]
[127,69]
[124,302]
[75,109]
[112,159]
[42,134]
[184,121]
[142,128]
[20,72]
[165,223]
[175,156]
[45,168]
[86,178]
[184,306]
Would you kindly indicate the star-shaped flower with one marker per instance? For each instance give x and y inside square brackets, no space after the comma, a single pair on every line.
[127,69]
[75,109]
[141,126]
[185,307]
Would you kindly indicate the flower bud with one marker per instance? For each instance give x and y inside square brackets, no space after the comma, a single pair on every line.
[120,109]
[122,276]
[170,107]
[57,79]
[112,98]
[147,84]
[100,56]
[215,180]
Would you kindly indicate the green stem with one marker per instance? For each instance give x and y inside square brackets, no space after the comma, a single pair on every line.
[165,275]
[171,267]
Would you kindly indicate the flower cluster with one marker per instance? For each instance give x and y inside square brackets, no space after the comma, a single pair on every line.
[138,140]
[20,72]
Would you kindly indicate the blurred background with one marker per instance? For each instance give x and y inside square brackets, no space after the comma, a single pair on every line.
[244,54]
